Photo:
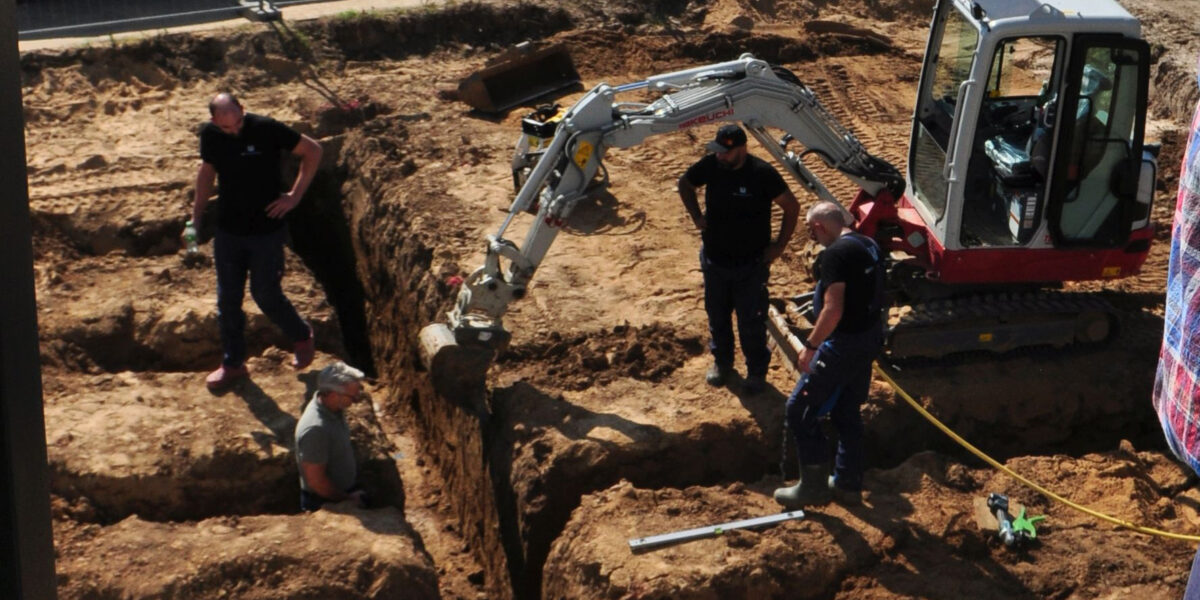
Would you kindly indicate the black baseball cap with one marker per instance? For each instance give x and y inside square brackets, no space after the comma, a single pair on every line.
[728,137]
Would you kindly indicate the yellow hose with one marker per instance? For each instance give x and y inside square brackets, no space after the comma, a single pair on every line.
[991,461]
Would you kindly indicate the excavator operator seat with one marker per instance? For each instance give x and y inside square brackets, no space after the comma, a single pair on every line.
[1019,158]
[1011,160]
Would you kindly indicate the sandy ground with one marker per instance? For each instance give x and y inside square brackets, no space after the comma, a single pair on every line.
[598,426]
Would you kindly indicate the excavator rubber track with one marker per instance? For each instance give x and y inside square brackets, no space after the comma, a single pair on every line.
[995,323]
[1000,323]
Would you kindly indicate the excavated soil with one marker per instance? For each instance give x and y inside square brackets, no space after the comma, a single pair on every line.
[596,425]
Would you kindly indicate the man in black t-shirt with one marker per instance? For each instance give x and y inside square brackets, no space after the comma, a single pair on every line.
[243,152]
[737,249]
[837,356]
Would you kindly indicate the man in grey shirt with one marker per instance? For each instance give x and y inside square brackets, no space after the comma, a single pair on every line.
[328,470]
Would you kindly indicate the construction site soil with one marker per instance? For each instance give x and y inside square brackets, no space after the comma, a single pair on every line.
[596,425]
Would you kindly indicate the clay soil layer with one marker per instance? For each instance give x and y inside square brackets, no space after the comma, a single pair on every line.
[596,425]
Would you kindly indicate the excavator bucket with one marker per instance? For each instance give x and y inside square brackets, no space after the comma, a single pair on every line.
[458,370]
[518,76]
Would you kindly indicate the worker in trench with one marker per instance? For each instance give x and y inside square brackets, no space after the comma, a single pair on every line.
[324,452]
[1176,393]
[737,250]
[836,360]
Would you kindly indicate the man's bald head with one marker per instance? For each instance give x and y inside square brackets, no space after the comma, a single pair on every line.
[226,113]
[828,212]
[223,102]
[825,221]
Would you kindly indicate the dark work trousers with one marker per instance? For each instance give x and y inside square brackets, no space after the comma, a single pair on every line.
[260,256]
[741,289]
[837,386]
[311,501]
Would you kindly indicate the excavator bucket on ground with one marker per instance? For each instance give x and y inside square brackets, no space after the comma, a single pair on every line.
[518,76]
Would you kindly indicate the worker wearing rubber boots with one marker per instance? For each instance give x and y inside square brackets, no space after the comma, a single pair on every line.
[737,249]
[837,356]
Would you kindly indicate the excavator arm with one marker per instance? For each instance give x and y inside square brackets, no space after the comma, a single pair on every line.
[559,155]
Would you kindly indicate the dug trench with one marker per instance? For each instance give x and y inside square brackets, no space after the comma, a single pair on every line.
[595,425]
[569,415]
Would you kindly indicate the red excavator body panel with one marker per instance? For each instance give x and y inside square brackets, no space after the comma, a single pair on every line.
[894,222]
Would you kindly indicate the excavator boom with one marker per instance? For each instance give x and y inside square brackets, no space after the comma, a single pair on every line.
[558,157]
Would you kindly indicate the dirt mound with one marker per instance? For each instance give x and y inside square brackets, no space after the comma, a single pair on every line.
[170,324]
[917,531]
[580,360]
[344,553]
[162,447]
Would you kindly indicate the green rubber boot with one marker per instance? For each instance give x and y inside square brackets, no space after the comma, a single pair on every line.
[813,489]
[844,496]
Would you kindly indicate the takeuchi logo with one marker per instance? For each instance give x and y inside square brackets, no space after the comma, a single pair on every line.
[710,117]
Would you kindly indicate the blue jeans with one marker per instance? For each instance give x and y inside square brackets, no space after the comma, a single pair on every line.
[260,256]
[740,289]
[837,386]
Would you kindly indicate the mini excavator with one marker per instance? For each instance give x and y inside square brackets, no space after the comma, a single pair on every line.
[1026,169]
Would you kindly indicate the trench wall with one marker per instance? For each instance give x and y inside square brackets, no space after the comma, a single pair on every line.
[403,295]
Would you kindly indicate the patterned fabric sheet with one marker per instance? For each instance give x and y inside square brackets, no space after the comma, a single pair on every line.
[1177,381]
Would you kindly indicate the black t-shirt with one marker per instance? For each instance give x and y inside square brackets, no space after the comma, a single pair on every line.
[248,171]
[849,260]
[737,207]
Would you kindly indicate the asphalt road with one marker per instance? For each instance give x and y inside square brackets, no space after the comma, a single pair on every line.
[297,12]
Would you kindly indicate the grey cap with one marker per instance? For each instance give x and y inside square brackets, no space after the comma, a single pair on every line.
[337,376]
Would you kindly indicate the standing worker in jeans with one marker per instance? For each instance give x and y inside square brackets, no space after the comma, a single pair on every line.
[1177,381]
[324,453]
[837,356]
[244,151]
[737,249]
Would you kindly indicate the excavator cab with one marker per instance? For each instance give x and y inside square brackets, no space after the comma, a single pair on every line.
[1026,162]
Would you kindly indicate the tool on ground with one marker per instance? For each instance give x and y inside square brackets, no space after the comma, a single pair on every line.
[983,223]
[667,539]
[1013,532]
[1024,526]
[522,74]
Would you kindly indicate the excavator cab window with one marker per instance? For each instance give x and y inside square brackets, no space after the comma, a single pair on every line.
[1094,197]
[947,67]
[1005,186]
